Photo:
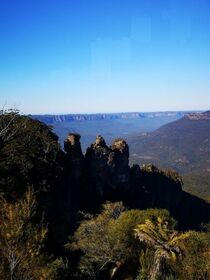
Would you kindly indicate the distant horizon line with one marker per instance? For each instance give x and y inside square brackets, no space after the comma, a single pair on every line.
[110,113]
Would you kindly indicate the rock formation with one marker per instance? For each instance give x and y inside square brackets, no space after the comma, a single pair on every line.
[120,161]
[104,174]
[98,169]
[74,155]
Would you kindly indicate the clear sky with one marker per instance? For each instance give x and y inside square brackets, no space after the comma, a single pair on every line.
[69,56]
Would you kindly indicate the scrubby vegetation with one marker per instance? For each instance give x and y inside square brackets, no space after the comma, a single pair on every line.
[21,242]
[139,244]
[56,223]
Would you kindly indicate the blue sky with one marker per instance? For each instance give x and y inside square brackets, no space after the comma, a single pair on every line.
[69,56]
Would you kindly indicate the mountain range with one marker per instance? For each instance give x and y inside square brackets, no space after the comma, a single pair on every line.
[52,118]
[110,125]
[176,140]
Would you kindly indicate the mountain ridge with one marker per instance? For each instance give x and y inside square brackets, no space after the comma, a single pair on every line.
[102,116]
[111,125]
[183,145]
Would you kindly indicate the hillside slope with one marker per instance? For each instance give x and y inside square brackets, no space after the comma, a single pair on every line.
[183,145]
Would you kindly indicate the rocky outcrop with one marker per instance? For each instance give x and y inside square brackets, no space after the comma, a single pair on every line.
[104,174]
[108,167]
[120,162]
[74,155]
[98,168]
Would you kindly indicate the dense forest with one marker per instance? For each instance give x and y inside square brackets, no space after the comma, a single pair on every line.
[67,215]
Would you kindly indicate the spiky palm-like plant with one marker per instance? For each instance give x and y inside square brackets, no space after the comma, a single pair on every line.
[158,236]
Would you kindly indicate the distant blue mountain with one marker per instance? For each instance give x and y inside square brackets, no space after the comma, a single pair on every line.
[109,125]
[47,118]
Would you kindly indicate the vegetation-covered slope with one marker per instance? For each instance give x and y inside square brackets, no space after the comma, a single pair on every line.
[29,155]
[183,145]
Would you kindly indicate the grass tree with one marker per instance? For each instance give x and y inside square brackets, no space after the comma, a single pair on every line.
[163,240]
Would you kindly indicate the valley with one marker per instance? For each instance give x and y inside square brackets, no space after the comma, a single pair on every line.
[111,126]
[176,140]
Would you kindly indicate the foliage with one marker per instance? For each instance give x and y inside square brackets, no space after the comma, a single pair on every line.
[122,228]
[192,249]
[195,264]
[21,243]
[93,239]
[163,240]
[29,154]
[145,262]
[107,239]
[8,125]
[198,183]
